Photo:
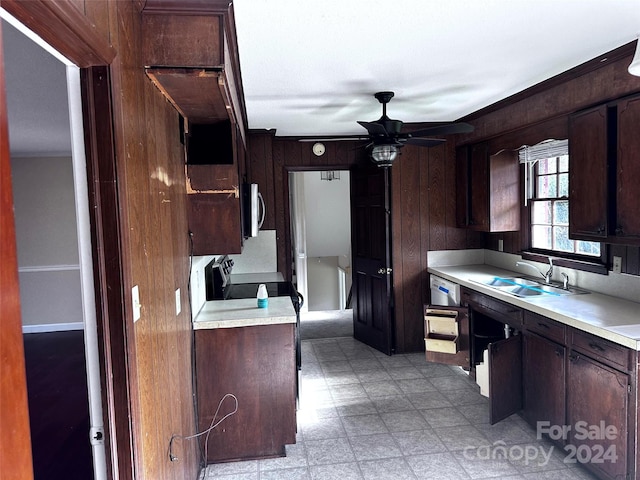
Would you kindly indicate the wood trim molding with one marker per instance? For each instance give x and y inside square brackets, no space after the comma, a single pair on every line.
[63,26]
[186,7]
[115,354]
[592,65]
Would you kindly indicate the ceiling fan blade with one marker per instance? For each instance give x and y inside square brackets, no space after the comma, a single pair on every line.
[374,128]
[446,129]
[425,142]
[333,139]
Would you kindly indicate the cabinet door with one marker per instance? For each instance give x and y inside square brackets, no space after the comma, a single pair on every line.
[488,189]
[479,187]
[597,400]
[504,192]
[627,223]
[588,199]
[505,378]
[544,380]
[214,220]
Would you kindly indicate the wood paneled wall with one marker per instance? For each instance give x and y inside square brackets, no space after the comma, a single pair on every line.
[424,218]
[544,114]
[154,234]
[423,212]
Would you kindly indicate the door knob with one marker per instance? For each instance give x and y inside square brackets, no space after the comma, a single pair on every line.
[384,271]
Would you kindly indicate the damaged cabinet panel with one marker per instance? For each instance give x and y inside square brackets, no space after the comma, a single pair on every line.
[193,60]
[214,209]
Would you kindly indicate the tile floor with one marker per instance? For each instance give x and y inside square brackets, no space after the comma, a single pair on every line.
[326,324]
[364,415]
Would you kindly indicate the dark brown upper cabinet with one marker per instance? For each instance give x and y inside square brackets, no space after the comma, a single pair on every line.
[193,60]
[588,191]
[214,204]
[627,226]
[604,173]
[488,189]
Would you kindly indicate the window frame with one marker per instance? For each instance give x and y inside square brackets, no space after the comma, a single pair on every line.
[589,263]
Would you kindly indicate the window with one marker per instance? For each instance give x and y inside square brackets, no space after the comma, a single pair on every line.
[550,209]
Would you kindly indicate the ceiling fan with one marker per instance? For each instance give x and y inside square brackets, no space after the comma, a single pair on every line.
[386,137]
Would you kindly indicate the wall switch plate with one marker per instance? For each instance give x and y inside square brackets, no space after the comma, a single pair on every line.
[135,300]
[617,264]
[500,245]
[178,305]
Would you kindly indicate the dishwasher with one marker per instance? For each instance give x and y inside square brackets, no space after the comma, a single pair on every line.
[446,324]
[444,292]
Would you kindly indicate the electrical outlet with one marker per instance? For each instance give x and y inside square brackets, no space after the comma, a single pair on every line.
[500,245]
[178,305]
[617,264]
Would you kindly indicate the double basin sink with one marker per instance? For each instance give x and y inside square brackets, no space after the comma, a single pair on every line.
[526,287]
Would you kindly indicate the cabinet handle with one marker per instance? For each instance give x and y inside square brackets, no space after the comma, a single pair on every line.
[543,325]
[597,347]
[619,231]
[601,229]
[574,357]
[558,352]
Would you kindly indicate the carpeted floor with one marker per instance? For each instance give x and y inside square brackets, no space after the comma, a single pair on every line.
[58,405]
[326,324]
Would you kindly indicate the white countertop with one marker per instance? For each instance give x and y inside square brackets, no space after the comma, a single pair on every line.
[244,313]
[608,317]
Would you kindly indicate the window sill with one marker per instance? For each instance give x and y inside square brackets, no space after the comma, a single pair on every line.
[585,266]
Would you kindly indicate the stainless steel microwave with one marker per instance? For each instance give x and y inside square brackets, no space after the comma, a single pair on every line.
[253,210]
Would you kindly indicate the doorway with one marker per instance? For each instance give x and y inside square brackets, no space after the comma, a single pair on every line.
[54,258]
[321,243]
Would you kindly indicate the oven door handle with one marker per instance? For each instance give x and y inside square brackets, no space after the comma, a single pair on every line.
[301,300]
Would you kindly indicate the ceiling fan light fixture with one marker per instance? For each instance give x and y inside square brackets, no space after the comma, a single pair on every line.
[384,155]
[634,67]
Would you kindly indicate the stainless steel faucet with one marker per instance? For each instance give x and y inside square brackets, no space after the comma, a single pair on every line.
[547,276]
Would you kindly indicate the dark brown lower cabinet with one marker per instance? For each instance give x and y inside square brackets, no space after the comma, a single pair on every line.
[475,332]
[545,385]
[597,414]
[575,387]
[257,365]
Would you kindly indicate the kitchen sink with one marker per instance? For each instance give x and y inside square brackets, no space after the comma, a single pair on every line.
[527,287]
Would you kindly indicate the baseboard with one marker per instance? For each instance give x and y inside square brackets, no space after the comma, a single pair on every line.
[52,327]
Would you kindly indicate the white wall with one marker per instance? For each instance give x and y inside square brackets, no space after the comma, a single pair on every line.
[328,236]
[46,234]
[322,281]
[259,254]
[327,215]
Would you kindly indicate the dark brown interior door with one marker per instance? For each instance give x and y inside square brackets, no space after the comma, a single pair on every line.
[371,247]
[15,438]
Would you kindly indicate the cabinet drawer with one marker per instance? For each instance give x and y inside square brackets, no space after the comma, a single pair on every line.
[441,331]
[493,308]
[603,350]
[545,326]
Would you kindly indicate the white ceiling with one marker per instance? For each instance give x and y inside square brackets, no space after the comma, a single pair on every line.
[311,68]
[37,104]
